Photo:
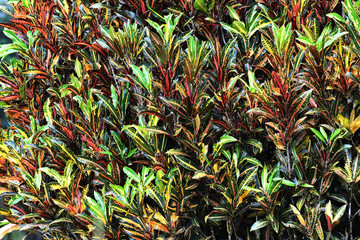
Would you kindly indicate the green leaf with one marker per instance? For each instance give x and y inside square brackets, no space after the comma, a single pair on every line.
[156,196]
[255,143]
[156,13]
[149,179]
[323,133]
[232,81]
[10,34]
[98,6]
[204,6]
[132,174]
[75,82]
[120,194]
[338,198]
[335,134]
[108,104]
[15,199]
[259,224]
[38,180]
[298,60]
[54,174]
[22,90]
[233,14]
[100,201]
[248,188]
[249,177]
[237,27]
[143,77]
[216,218]
[95,208]
[29,179]
[305,185]
[67,173]
[47,112]
[268,45]
[114,96]
[318,135]
[333,38]
[340,213]
[319,230]
[32,124]
[288,183]
[60,221]
[26,3]
[264,176]
[336,17]
[305,40]
[157,28]
[253,87]
[186,163]
[226,139]
[253,161]
[199,174]
[352,14]
[240,27]
[78,68]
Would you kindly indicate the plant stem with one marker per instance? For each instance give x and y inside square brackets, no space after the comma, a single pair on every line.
[288,159]
[228,226]
[357,212]
[349,215]
[212,232]
[272,234]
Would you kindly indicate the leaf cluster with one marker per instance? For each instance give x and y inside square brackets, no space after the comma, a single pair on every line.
[189,119]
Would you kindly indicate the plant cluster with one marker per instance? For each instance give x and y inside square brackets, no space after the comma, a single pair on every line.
[182,119]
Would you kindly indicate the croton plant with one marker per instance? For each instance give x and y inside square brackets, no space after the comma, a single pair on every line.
[181,119]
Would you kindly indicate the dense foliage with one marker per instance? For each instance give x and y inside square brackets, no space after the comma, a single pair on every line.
[3,39]
[182,119]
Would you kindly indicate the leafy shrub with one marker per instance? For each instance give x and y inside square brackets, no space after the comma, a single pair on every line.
[185,119]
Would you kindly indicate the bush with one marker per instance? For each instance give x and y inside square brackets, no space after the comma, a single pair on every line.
[185,119]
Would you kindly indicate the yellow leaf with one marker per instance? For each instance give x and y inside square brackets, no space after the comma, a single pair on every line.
[241,198]
[355,125]
[343,121]
[4,190]
[352,115]
[215,167]
[298,214]
[159,226]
